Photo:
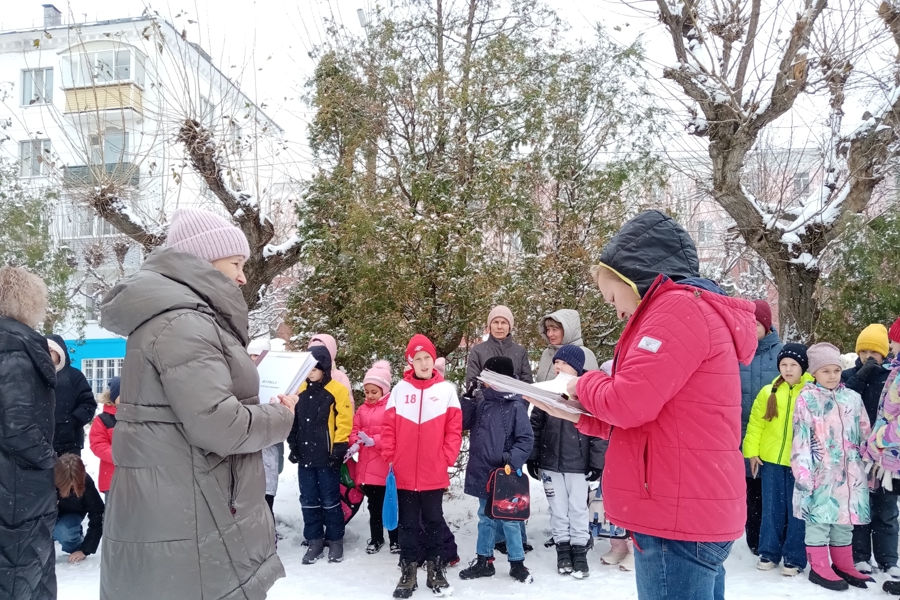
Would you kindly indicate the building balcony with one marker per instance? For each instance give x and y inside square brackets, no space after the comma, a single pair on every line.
[115,96]
[122,173]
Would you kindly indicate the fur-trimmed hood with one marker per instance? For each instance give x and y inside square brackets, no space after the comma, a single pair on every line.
[23,296]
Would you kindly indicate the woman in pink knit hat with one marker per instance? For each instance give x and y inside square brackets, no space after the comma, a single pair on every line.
[372,470]
[499,342]
[187,498]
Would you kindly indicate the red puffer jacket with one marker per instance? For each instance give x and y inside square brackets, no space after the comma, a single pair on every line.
[422,432]
[369,418]
[672,413]
[101,438]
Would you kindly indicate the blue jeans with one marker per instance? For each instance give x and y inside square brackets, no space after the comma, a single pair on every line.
[676,570]
[320,501]
[68,532]
[781,534]
[485,544]
[500,534]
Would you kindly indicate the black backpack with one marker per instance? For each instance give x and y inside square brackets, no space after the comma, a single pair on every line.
[109,420]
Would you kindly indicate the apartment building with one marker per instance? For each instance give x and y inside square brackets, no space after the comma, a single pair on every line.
[99,104]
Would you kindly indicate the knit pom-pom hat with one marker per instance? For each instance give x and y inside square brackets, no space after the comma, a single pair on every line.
[206,235]
[380,376]
[572,356]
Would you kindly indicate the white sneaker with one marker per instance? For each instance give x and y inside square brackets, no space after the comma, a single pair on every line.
[627,563]
[613,558]
[894,572]
[790,570]
[864,567]
[765,565]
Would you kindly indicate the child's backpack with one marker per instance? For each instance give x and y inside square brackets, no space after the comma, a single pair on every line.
[600,526]
[108,420]
[510,498]
[351,496]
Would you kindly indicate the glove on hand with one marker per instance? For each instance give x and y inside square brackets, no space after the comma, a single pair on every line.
[353,450]
[880,474]
[533,469]
[868,370]
[336,459]
[593,474]
[293,457]
[366,440]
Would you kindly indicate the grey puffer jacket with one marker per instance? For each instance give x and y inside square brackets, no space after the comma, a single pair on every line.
[494,347]
[571,322]
[186,513]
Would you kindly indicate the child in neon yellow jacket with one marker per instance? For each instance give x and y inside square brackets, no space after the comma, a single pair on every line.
[768,446]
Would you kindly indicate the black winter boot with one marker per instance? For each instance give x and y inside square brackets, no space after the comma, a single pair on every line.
[482,566]
[437,578]
[519,572]
[408,583]
[336,551]
[892,587]
[580,569]
[315,550]
[564,558]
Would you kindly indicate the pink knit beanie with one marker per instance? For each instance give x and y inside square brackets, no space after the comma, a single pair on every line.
[501,312]
[441,366]
[379,375]
[823,355]
[206,235]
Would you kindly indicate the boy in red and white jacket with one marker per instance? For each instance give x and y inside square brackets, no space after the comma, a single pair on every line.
[421,437]
[102,434]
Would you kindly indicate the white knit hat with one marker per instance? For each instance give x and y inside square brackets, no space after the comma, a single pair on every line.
[259,345]
[206,235]
[62,355]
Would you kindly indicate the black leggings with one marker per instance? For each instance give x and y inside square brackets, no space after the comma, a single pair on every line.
[375,495]
[427,507]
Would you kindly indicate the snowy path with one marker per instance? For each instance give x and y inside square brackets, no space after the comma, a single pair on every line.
[364,576]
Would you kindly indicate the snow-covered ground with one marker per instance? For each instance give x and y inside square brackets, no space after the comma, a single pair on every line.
[374,576]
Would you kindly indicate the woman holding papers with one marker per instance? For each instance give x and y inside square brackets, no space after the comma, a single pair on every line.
[186,516]
[671,409]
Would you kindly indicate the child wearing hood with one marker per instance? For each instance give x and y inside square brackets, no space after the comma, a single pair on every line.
[499,434]
[831,492]
[328,341]
[318,441]
[421,438]
[561,328]
[371,470]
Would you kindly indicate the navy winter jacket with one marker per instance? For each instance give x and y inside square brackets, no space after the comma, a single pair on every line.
[498,426]
[870,389]
[757,375]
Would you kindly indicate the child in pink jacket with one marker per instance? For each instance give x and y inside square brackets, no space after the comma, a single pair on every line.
[371,469]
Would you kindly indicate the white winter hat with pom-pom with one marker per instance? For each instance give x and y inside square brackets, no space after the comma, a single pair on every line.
[379,375]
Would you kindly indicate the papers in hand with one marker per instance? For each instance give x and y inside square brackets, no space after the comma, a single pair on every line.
[551,392]
[282,373]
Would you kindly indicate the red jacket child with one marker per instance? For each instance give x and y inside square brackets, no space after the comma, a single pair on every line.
[422,430]
[369,419]
[101,436]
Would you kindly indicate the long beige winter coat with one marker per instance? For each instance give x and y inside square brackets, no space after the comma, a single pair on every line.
[186,516]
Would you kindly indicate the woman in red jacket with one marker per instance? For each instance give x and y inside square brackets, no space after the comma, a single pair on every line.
[671,410]
[101,436]
[371,470]
[421,437]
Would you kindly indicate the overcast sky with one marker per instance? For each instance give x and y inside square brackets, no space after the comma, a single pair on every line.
[264,44]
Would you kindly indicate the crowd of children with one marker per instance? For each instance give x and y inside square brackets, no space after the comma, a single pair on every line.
[809,440]
[823,444]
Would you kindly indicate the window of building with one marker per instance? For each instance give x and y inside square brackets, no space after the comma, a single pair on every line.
[98,371]
[704,232]
[82,222]
[111,148]
[37,86]
[101,67]
[801,183]
[33,154]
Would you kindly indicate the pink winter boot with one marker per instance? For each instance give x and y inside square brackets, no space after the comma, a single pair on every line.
[820,571]
[842,562]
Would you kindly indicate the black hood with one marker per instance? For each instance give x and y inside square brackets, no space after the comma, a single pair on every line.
[650,244]
[65,348]
[323,358]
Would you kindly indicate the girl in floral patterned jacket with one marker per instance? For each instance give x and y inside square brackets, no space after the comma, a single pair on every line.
[831,491]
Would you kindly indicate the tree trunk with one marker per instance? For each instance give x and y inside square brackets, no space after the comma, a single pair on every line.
[798,306]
